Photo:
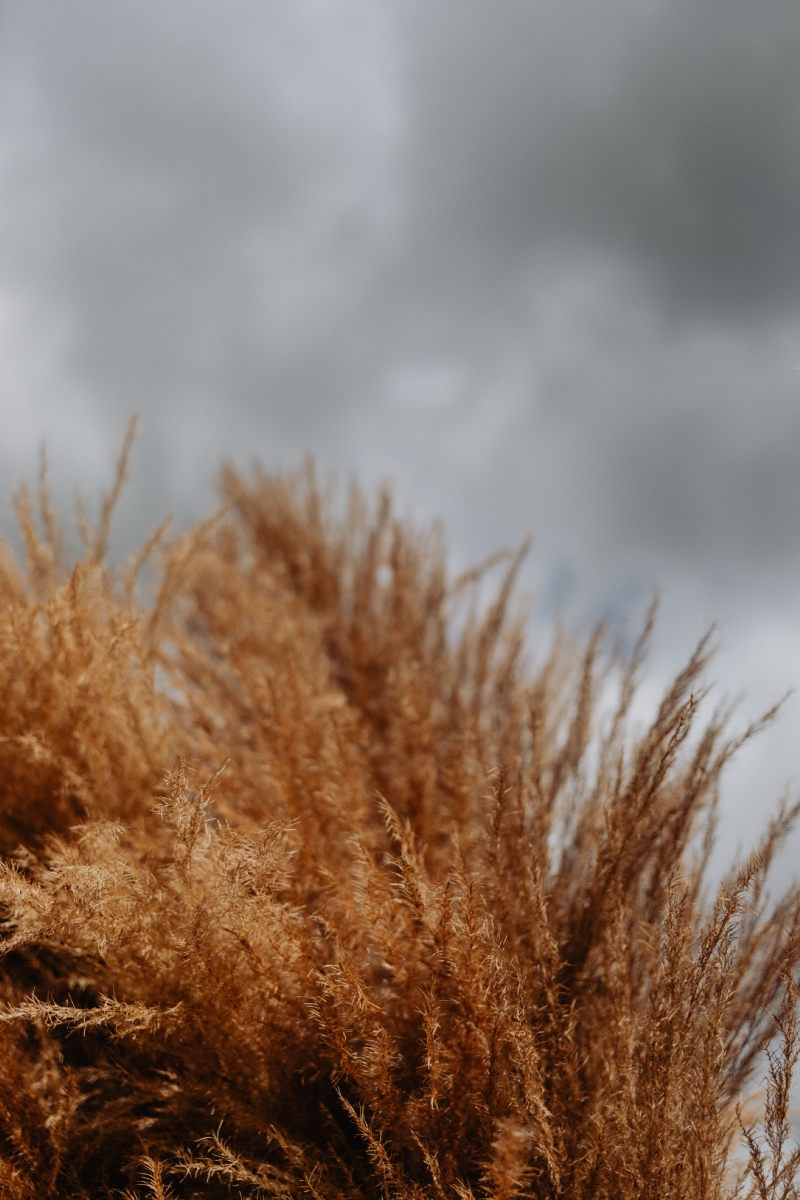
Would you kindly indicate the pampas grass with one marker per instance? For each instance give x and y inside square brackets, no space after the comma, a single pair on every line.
[313,886]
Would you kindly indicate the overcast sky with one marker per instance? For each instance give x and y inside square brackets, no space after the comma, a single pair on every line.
[536,261]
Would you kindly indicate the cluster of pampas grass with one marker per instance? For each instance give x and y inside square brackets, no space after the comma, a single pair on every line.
[313,885]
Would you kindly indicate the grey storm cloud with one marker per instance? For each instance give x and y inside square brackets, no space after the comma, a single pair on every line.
[539,261]
[665,133]
[536,260]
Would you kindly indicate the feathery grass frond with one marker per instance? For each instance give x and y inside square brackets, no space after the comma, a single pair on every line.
[437,928]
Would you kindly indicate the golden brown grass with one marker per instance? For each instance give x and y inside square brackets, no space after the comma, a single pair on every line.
[313,886]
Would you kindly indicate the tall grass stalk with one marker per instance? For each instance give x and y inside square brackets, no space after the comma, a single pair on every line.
[313,886]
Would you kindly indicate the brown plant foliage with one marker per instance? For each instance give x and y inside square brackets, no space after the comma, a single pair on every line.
[312,885]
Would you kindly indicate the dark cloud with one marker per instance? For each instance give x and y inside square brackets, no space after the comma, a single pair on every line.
[261,224]
[196,192]
[538,260]
[667,133]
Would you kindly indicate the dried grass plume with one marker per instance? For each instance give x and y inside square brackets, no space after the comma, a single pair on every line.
[313,886]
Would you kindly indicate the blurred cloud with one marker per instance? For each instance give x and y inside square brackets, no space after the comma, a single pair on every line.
[537,261]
